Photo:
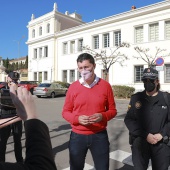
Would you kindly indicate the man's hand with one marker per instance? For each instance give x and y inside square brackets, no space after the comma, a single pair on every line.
[87,120]
[97,117]
[84,120]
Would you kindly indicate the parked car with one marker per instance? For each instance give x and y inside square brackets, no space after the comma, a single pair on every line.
[29,85]
[67,85]
[3,85]
[49,90]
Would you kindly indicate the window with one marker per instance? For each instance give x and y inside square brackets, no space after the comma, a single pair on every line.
[153,32]
[80,44]
[138,73]
[167,30]
[65,48]
[33,33]
[117,38]
[40,31]
[46,51]
[35,53]
[139,34]
[96,42]
[64,75]
[72,48]
[72,75]
[40,77]
[167,73]
[78,75]
[45,75]
[40,52]
[106,40]
[35,76]
[48,28]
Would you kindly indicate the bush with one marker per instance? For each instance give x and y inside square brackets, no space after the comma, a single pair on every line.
[123,91]
[64,84]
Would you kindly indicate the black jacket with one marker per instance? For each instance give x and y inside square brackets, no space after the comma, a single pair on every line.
[39,154]
[147,115]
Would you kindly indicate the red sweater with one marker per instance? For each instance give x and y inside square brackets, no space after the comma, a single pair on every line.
[81,100]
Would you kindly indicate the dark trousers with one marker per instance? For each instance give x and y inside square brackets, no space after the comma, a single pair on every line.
[5,132]
[98,145]
[142,151]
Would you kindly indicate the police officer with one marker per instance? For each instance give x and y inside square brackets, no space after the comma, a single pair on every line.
[147,122]
[15,128]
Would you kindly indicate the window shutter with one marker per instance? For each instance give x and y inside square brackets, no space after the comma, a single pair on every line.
[154,32]
[167,30]
[117,38]
[139,34]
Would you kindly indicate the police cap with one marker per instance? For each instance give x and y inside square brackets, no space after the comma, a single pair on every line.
[150,73]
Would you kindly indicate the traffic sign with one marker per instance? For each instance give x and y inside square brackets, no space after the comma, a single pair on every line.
[159,68]
[159,61]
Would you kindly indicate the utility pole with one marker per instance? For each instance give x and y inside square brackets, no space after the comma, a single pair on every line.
[18,42]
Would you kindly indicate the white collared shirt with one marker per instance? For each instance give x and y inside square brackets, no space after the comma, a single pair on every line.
[87,85]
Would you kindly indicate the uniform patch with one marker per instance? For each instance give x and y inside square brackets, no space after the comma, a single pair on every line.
[138,105]
[129,106]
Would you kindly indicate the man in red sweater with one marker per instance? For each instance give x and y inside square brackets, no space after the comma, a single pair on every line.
[89,105]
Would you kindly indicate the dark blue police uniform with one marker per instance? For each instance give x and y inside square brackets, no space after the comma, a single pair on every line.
[148,114]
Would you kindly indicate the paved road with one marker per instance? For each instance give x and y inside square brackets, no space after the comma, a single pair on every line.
[49,110]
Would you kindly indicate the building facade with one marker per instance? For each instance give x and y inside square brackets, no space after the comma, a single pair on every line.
[42,43]
[55,40]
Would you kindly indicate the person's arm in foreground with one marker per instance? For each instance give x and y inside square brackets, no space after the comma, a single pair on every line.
[39,154]
[8,121]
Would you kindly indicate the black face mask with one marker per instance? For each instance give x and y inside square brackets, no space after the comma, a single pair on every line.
[149,86]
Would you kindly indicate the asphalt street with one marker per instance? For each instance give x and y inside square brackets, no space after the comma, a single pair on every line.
[49,110]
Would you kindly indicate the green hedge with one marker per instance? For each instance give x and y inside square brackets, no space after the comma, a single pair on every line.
[123,91]
[63,83]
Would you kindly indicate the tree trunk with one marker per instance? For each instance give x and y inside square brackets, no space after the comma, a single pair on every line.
[106,76]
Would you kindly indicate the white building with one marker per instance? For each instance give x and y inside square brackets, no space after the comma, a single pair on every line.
[18,60]
[55,41]
[2,71]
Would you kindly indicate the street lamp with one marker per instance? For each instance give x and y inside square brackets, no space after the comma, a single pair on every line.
[19,41]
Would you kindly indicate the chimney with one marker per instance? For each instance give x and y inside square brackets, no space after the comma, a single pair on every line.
[133,7]
[32,17]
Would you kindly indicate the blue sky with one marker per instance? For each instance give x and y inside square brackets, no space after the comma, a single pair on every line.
[15,15]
